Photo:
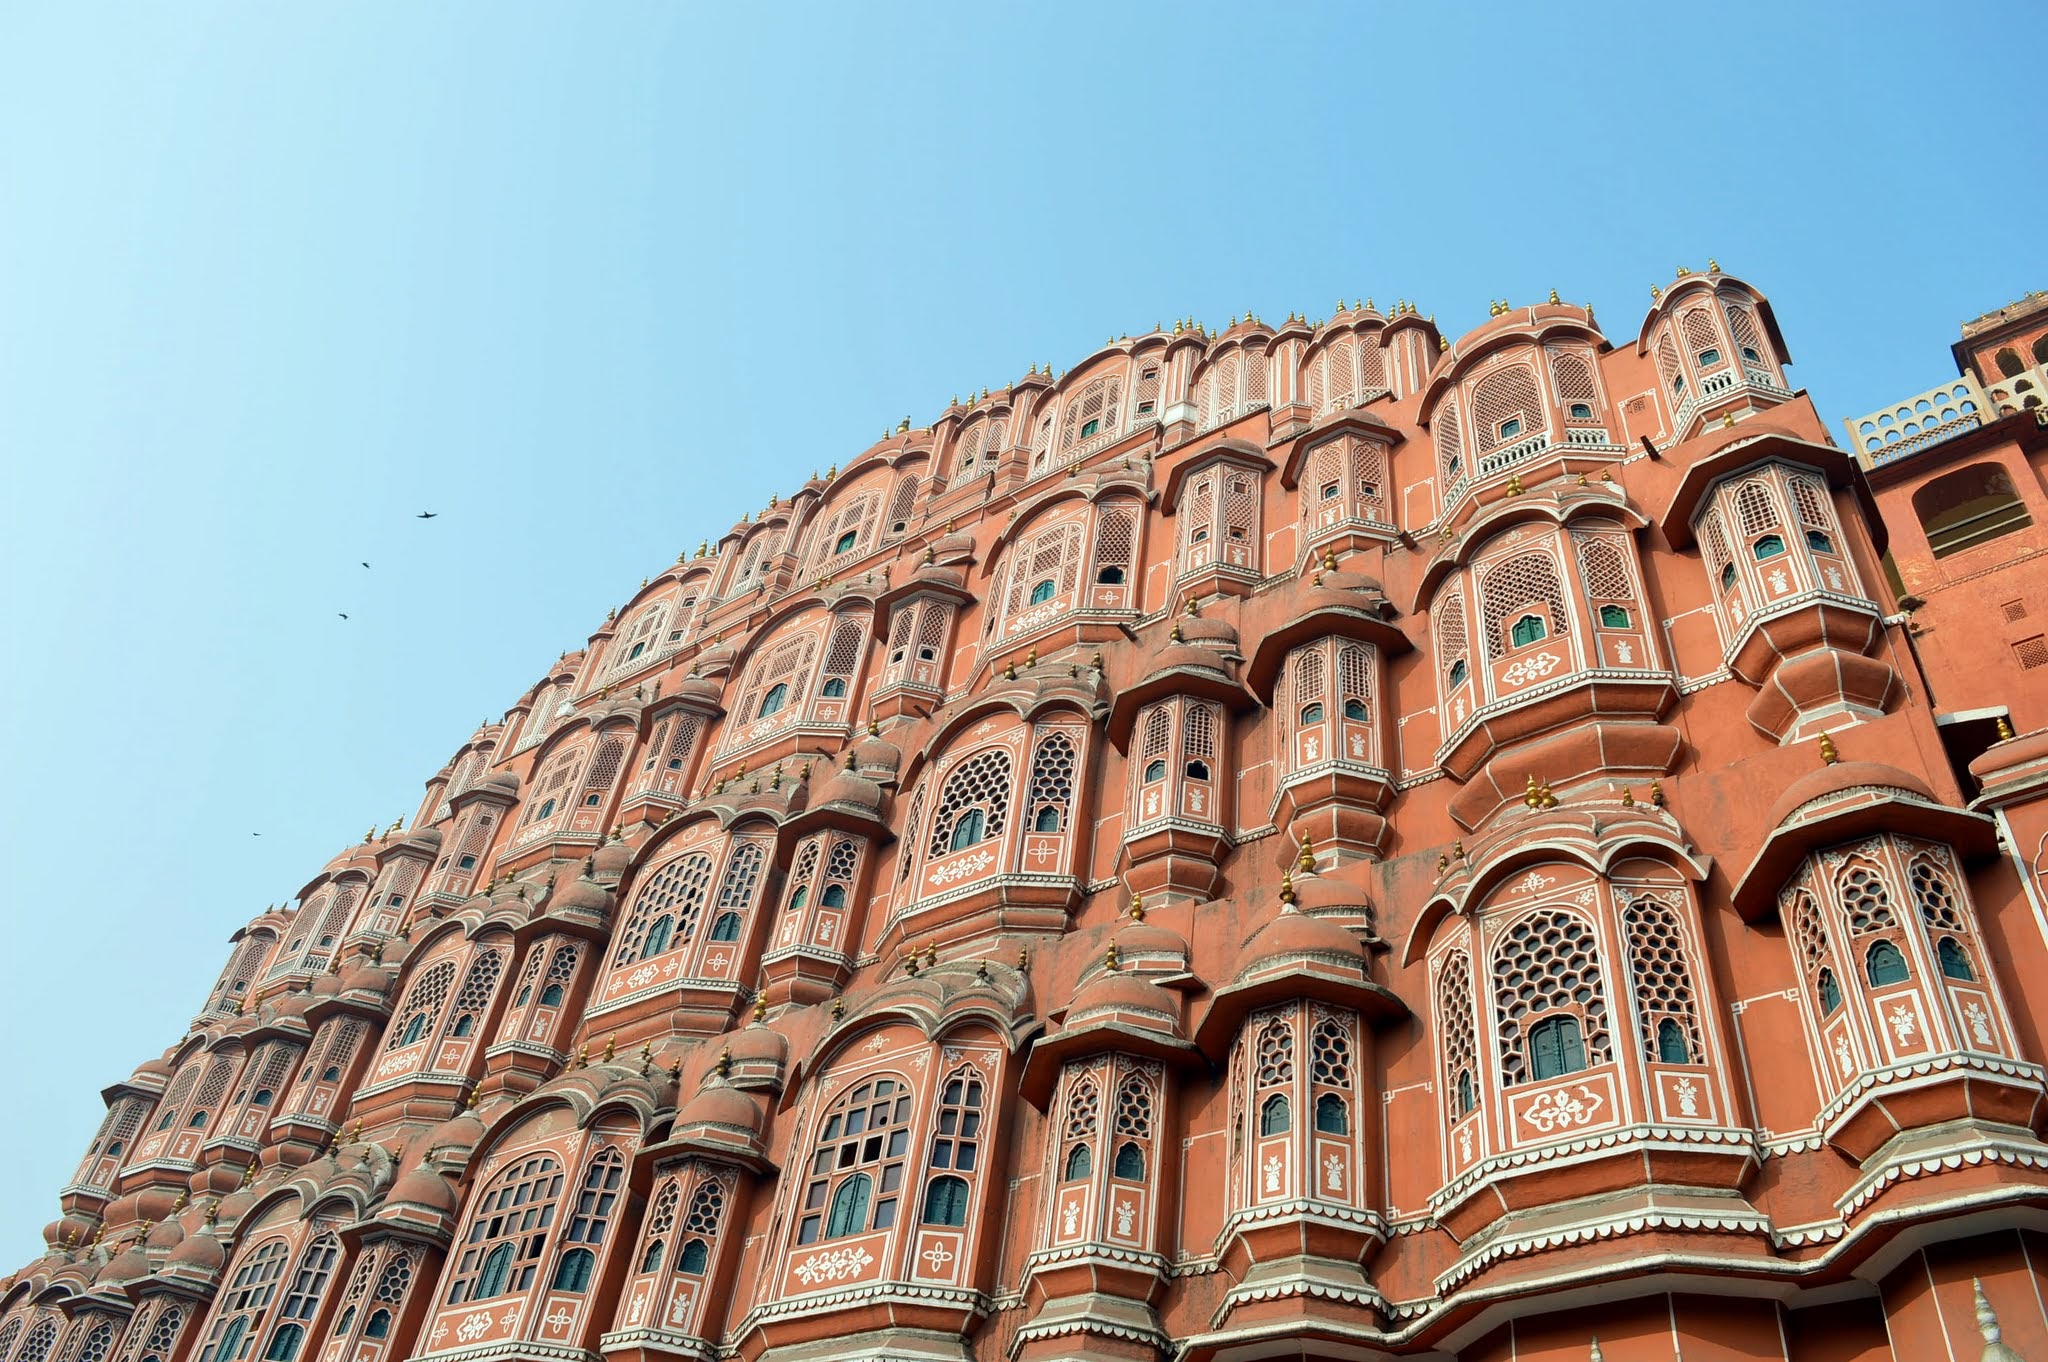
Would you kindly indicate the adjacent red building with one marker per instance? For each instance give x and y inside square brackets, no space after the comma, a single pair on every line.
[1324,840]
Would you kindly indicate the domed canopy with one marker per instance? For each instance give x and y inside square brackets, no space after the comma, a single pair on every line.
[582,895]
[201,1254]
[1296,956]
[425,1188]
[1840,777]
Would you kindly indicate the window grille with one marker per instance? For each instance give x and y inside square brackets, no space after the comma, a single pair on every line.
[1115,538]
[393,1280]
[982,782]
[1865,901]
[1507,395]
[1354,674]
[212,1088]
[854,1178]
[1937,902]
[97,1345]
[508,1232]
[1330,1054]
[911,825]
[1451,642]
[1454,1025]
[596,1199]
[36,1347]
[1743,327]
[1511,588]
[844,653]
[901,502]
[1097,403]
[1811,503]
[477,986]
[1667,364]
[1450,444]
[1602,569]
[707,1207]
[604,767]
[839,866]
[1134,1107]
[1198,734]
[1755,509]
[1663,980]
[1275,1054]
[742,879]
[675,891]
[1700,336]
[970,450]
[1573,377]
[162,1335]
[1548,961]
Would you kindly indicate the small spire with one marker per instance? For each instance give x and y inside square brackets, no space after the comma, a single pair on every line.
[1596,1355]
[725,1064]
[931,954]
[1628,797]
[981,967]
[611,1047]
[1031,657]
[1554,298]
[1443,862]
[1713,265]
[1137,907]
[760,1007]
[583,1055]
[1514,484]
[2004,729]
[1307,860]
[1287,886]
[1531,796]
[910,964]
[838,1008]
[1109,960]
[1828,755]
[1656,794]
[1023,958]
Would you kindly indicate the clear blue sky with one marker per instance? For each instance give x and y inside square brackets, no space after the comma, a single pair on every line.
[592,279]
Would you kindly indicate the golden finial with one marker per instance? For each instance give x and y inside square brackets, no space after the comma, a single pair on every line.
[1530,796]
[184,1199]
[646,1057]
[1329,559]
[1109,960]
[1628,797]
[1713,265]
[248,1175]
[1443,862]
[1023,958]
[1828,755]
[469,1102]
[1727,420]
[1031,657]
[611,1047]
[832,472]
[1656,795]
[725,1064]
[981,967]
[1287,885]
[213,1211]
[1514,484]
[931,555]
[1607,476]
[583,1055]
[371,835]
[910,964]
[1174,633]
[1458,850]
[1194,606]
[1987,1323]
[1554,298]
[838,1008]
[1010,670]
[1443,343]
[1581,480]
[1032,370]
[1549,799]
[1096,661]
[1137,907]
[1683,271]
[903,425]
[2004,729]
[760,1006]
[1656,294]
[931,954]
[1307,860]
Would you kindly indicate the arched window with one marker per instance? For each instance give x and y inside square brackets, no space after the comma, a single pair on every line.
[945,1201]
[850,1207]
[573,1272]
[976,797]
[1331,1117]
[1671,1046]
[1457,673]
[1613,617]
[1275,1116]
[696,1257]
[1079,1163]
[1830,993]
[379,1325]
[968,829]
[1954,963]
[1523,589]
[508,1231]
[242,1305]
[1041,592]
[1083,1109]
[1885,964]
[302,1301]
[1528,629]
[1466,1099]
[726,927]
[2010,365]
[1768,546]
[422,1006]
[1354,710]
[1130,1162]
[284,1344]
[1047,820]
[834,897]
[659,933]
[1312,714]
[865,1136]
[674,893]
[478,985]
[1155,770]
[775,699]
[1556,1047]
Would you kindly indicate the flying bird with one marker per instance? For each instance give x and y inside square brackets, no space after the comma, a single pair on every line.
[366,565]
[339,613]
[426,515]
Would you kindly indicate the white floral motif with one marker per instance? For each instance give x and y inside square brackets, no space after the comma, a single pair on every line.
[1312,748]
[558,1319]
[1902,1023]
[473,1326]
[1688,1097]
[834,1265]
[963,869]
[1626,652]
[1526,669]
[1465,1144]
[1779,583]
[1126,1215]
[1980,1024]
[1333,1173]
[1843,1058]
[1070,1219]
[1534,881]
[938,1255]
[1834,577]
[638,1309]
[1272,1171]
[1358,745]
[1559,1109]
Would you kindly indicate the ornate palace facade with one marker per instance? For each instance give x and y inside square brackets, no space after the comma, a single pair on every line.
[1327,841]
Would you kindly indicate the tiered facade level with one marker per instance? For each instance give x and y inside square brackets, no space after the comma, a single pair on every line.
[1314,842]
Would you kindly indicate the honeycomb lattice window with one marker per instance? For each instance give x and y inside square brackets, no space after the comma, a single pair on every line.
[675,891]
[41,1336]
[96,1346]
[1756,510]
[1549,961]
[1663,981]
[562,968]
[1134,1107]
[1053,768]
[1330,1054]
[661,1217]
[1454,1025]
[742,879]
[707,1207]
[477,987]
[806,866]
[1573,377]
[1275,1054]
[162,1334]
[1506,407]
[1603,570]
[839,866]
[1354,674]
[1198,512]
[1865,900]
[423,1003]
[1511,588]
[392,1282]
[1369,478]
[982,782]
[1084,1104]
[1937,901]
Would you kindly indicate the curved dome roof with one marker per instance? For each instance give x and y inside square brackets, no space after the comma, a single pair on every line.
[1842,776]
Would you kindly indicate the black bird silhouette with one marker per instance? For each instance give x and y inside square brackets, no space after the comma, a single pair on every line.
[366,565]
[339,613]
[426,515]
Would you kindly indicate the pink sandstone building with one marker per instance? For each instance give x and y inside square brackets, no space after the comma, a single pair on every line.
[1319,841]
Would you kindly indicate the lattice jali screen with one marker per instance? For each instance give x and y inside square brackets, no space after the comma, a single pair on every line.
[1938,908]
[1450,442]
[425,1000]
[1548,961]
[1084,1104]
[1455,1028]
[1662,977]
[1700,337]
[1330,1054]
[677,889]
[1274,1054]
[1743,327]
[1452,642]
[982,782]
[1134,1107]
[1865,900]
[1053,771]
[1811,503]
[1667,363]
[1198,733]
[1573,375]
[1511,588]
[1116,538]
[1756,510]
[1602,570]
[1098,403]
[1507,394]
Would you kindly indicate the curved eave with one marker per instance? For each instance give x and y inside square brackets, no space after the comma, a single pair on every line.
[916,585]
[1575,837]
[924,1004]
[1232,1004]
[1074,489]
[1351,420]
[1198,682]
[1742,450]
[1517,326]
[1559,506]
[1195,455]
[696,702]
[1755,895]
[1050,1053]
[1323,620]
[841,817]
[1091,708]
[714,1144]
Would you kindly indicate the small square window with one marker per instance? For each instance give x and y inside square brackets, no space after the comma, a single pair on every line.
[1510,428]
